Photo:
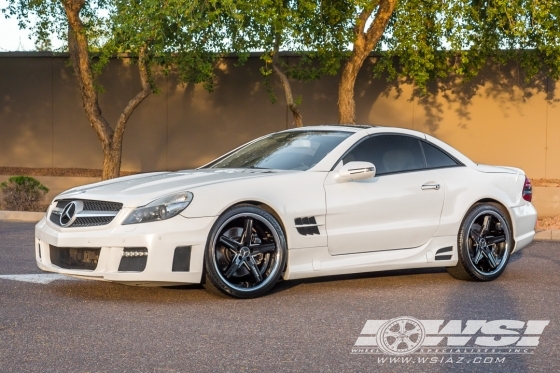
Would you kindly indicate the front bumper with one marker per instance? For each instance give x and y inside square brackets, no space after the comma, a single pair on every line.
[159,238]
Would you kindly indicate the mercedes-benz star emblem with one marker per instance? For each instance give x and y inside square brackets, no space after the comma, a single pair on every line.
[68,214]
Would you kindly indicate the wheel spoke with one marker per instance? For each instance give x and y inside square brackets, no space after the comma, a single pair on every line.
[416,330]
[252,264]
[402,326]
[263,249]
[229,243]
[408,342]
[495,239]
[475,235]
[389,333]
[247,233]
[234,266]
[485,226]
[396,343]
[478,256]
[492,260]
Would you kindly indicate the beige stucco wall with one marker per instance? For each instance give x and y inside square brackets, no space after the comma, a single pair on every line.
[42,123]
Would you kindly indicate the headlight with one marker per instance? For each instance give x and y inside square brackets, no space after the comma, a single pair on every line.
[160,209]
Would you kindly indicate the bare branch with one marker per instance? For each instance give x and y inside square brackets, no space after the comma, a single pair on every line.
[143,68]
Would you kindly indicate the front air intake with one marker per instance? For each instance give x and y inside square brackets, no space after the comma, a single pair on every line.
[134,259]
[74,257]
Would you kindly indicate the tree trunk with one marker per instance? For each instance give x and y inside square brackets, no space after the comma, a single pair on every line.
[112,160]
[111,140]
[286,85]
[365,42]
[298,120]
[346,104]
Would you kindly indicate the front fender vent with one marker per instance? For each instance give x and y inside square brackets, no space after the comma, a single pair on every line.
[445,253]
[307,226]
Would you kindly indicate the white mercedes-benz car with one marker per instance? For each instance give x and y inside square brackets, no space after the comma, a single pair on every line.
[307,202]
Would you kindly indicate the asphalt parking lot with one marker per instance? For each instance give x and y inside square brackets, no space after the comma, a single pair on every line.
[66,325]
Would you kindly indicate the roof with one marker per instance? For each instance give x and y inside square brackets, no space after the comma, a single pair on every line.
[334,127]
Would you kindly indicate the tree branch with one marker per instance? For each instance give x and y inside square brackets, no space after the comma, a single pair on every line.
[143,68]
[79,55]
[377,27]
[361,21]
[298,120]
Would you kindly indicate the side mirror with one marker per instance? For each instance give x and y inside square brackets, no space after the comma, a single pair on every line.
[354,171]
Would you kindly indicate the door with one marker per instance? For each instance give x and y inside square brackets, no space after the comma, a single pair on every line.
[399,208]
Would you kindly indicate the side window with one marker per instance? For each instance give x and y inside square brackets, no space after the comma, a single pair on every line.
[389,153]
[436,158]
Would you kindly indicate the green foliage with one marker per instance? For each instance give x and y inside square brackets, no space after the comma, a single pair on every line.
[23,193]
[187,36]
[316,32]
[425,40]
[432,40]
[51,20]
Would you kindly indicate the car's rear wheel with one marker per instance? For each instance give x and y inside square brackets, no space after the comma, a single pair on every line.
[245,253]
[484,243]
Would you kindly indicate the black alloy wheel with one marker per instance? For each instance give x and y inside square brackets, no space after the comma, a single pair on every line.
[484,244]
[245,253]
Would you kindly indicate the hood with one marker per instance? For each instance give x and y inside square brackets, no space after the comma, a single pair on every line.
[138,190]
[498,169]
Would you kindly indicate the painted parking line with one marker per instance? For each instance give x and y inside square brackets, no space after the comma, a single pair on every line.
[43,278]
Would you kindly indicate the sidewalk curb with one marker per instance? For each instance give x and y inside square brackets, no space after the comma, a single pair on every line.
[25,216]
[548,235]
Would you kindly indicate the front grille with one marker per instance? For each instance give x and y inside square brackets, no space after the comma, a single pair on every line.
[103,213]
[92,221]
[102,206]
[74,257]
[62,203]
[55,218]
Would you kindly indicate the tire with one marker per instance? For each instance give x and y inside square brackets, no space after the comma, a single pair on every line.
[242,265]
[484,243]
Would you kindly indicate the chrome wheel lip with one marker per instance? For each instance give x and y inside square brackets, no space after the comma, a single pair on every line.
[276,254]
[505,255]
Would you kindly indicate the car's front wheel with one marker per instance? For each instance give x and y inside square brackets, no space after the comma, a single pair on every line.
[245,253]
[484,244]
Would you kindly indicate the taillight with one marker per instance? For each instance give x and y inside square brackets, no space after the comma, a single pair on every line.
[527,190]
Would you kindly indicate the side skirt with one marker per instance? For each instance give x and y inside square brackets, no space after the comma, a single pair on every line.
[316,261]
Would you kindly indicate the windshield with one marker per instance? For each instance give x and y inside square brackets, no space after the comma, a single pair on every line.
[296,150]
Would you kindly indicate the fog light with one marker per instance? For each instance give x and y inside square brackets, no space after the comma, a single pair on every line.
[134,259]
[135,252]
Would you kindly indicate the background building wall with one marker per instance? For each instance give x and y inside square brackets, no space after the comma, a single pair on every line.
[496,119]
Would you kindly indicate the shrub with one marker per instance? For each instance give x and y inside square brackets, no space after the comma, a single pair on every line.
[23,193]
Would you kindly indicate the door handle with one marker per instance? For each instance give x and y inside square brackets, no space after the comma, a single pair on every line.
[430,186]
